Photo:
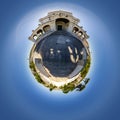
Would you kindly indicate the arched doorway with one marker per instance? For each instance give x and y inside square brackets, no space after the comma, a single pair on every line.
[75,29]
[62,24]
[40,32]
[46,28]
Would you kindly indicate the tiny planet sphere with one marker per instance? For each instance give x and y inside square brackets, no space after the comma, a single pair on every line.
[60,57]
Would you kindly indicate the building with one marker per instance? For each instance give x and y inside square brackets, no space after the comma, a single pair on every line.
[63,27]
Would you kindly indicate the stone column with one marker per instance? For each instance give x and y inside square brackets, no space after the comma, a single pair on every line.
[53,25]
[70,27]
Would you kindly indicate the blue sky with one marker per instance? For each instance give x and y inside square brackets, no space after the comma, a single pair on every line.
[22,98]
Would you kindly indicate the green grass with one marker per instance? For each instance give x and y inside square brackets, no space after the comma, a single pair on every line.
[36,75]
[85,70]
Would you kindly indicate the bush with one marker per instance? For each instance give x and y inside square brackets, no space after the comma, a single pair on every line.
[86,80]
[36,75]
[67,88]
[51,87]
[32,66]
[85,70]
